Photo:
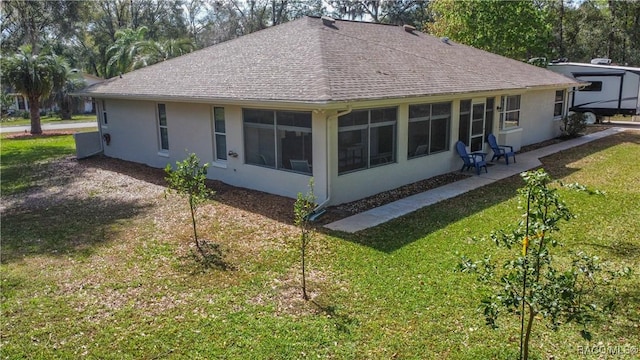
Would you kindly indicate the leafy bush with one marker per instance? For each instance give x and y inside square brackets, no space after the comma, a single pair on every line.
[573,125]
[25,114]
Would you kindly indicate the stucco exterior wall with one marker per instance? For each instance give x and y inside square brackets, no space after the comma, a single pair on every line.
[536,117]
[133,128]
[134,136]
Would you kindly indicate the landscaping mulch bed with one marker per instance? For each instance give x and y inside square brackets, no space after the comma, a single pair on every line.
[279,208]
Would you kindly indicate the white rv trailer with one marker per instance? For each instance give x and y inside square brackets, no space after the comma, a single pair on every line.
[609,89]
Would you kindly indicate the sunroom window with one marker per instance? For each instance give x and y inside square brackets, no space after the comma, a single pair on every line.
[366,138]
[428,129]
[278,139]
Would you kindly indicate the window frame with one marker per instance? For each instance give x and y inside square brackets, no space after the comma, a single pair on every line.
[560,102]
[505,111]
[429,122]
[219,134]
[276,127]
[161,145]
[366,152]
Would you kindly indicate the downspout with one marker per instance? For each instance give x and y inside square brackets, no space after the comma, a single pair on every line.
[328,169]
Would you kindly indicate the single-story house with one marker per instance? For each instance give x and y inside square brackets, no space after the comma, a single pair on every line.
[86,105]
[360,107]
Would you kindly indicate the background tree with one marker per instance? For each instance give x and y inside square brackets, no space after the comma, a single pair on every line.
[39,22]
[516,29]
[122,54]
[34,76]
[66,103]
[151,52]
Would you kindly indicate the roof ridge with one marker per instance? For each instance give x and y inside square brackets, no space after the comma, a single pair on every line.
[324,78]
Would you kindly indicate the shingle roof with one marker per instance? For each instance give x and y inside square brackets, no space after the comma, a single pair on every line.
[308,61]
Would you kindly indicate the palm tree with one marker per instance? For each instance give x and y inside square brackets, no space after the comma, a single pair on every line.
[74,82]
[152,52]
[34,76]
[122,53]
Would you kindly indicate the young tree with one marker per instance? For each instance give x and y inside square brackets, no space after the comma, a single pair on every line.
[532,285]
[188,179]
[34,76]
[302,209]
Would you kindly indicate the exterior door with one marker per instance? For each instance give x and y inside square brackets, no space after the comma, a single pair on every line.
[473,115]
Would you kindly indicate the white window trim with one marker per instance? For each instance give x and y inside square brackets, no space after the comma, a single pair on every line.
[564,105]
[502,113]
[162,152]
[217,162]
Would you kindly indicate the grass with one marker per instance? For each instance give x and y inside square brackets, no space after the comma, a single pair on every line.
[21,159]
[108,280]
[14,121]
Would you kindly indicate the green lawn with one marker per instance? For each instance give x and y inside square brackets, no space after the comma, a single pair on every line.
[21,158]
[113,284]
[15,121]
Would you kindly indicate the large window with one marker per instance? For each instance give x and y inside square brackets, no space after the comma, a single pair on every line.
[558,105]
[278,139]
[429,128]
[163,131]
[219,134]
[509,112]
[366,138]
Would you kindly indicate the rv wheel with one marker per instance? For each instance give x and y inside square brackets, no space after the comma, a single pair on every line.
[590,117]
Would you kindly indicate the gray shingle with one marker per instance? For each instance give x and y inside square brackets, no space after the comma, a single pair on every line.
[307,61]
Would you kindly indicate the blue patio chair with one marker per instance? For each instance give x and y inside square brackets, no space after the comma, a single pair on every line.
[475,160]
[500,150]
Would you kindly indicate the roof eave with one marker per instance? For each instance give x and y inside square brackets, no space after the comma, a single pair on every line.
[317,104]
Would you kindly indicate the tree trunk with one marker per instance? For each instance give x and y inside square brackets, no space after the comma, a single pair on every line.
[65,109]
[193,221]
[525,353]
[34,109]
[304,275]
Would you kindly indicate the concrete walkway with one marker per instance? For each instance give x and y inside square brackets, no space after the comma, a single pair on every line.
[49,126]
[525,161]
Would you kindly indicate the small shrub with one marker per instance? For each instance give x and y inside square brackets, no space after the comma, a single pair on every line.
[573,125]
[25,114]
